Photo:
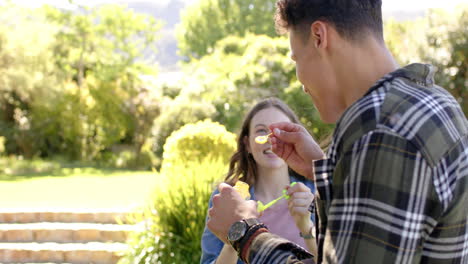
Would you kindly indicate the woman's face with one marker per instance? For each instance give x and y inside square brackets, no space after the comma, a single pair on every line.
[258,127]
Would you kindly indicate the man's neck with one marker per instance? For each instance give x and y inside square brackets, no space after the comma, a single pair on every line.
[360,68]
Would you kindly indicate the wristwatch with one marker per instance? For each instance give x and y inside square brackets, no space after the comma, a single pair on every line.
[239,229]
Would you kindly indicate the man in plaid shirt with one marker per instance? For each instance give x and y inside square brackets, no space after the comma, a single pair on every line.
[392,187]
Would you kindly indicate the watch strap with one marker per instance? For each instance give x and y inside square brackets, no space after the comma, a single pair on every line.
[252,221]
[249,223]
[309,235]
[247,236]
[244,249]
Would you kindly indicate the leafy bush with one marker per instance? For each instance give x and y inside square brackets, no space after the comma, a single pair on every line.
[176,114]
[133,160]
[18,166]
[197,142]
[174,221]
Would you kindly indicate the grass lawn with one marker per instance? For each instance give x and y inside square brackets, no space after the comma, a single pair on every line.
[79,188]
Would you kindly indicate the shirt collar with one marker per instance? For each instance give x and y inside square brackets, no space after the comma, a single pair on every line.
[421,74]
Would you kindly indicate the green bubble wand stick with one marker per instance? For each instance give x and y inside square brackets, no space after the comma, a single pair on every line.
[262,207]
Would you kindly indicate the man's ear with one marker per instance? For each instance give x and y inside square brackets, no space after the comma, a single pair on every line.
[319,34]
[246,143]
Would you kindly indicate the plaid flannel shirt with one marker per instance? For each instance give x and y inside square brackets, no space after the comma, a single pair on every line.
[393,188]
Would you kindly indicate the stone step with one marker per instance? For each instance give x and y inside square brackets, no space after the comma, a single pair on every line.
[63,216]
[94,252]
[65,232]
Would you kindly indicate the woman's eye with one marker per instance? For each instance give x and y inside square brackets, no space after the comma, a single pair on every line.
[261,131]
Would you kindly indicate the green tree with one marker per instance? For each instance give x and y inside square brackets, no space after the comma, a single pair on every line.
[103,50]
[404,39]
[73,80]
[441,39]
[244,70]
[207,21]
[447,40]
[26,74]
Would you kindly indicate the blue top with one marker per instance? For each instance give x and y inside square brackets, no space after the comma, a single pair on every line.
[212,246]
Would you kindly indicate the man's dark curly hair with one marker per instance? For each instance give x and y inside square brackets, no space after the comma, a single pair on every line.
[352,19]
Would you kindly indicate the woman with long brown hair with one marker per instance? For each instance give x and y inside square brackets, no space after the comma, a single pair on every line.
[267,175]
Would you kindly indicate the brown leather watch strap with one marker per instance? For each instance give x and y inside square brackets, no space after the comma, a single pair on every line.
[245,244]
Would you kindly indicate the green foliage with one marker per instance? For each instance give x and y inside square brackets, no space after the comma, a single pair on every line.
[75,84]
[26,63]
[197,142]
[132,160]
[239,72]
[174,222]
[176,114]
[207,21]
[80,122]
[11,167]
[441,39]
[447,39]
[242,71]
[404,39]
[2,145]
[108,42]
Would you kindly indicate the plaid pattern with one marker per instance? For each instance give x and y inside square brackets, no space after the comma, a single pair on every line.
[393,189]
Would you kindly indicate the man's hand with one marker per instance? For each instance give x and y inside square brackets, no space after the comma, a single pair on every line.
[228,207]
[296,147]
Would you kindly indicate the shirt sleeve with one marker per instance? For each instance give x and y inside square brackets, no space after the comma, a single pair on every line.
[383,205]
[268,248]
[211,245]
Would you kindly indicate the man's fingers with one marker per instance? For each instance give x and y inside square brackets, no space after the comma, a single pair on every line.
[224,188]
[216,200]
[285,126]
[253,203]
[210,213]
[288,137]
[277,146]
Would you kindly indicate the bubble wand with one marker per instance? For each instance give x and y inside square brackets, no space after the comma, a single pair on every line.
[262,207]
[243,189]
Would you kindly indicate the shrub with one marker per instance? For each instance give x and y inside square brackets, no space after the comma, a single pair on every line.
[133,160]
[174,221]
[18,167]
[199,141]
[175,115]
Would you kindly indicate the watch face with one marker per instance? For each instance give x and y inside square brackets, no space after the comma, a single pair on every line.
[237,231]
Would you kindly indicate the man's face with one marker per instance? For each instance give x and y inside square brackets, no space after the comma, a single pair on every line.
[312,69]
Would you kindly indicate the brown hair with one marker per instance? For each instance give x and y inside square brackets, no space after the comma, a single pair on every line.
[242,165]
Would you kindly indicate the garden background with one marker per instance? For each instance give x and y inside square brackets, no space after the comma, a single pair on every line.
[136,105]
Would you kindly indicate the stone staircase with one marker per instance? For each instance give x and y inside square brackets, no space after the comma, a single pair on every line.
[62,236]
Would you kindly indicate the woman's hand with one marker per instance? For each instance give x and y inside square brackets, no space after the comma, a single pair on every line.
[300,199]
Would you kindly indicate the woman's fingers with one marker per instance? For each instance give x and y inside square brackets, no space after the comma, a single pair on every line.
[299,211]
[300,202]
